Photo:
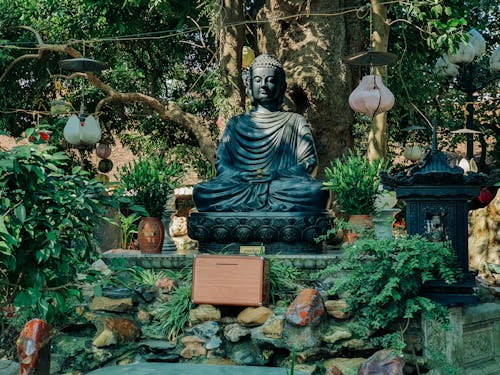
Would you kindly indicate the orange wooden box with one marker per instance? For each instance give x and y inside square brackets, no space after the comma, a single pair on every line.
[230,280]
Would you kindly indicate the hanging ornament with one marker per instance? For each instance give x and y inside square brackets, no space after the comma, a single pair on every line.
[82,131]
[495,60]
[464,54]
[103,150]
[371,97]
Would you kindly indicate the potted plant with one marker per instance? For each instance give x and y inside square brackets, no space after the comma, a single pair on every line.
[354,181]
[149,183]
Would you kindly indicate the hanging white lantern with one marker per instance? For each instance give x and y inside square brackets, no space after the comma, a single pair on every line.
[82,131]
[371,97]
[413,152]
[464,54]
[468,165]
[495,60]
[444,67]
[478,42]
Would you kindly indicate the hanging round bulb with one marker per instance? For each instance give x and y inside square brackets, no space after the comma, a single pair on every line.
[371,97]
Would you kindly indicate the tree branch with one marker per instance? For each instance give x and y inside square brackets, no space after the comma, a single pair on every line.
[167,112]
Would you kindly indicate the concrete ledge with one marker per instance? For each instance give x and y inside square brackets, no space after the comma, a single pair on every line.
[175,260]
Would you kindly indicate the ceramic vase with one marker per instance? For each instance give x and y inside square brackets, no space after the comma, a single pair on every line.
[151,234]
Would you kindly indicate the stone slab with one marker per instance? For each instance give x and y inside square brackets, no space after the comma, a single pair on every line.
[154,368]
[175,260]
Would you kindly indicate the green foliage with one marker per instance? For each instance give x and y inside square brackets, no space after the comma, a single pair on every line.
[47,215]
[382,279]
[150,276]
[149,182]
[283,280]
[355,181]
[128,229]
[172,316]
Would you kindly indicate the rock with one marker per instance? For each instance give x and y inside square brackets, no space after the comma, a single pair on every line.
[336,333]
[213,343]
[343,366]
[383,362]
[165,284]
[138,295]
[143,316]
[65,346]
[112,330]
[249,354]
[484,234]
[157,345]
[356,344]
[107,234]
[206,330]
[9,367]
[251,316]
[105,338]
[193,347]
[204,313]
[302,338]
[234,332]
[273,327]
[307,308]
[33,347]
[259,338]
[306,369]
[112,305]
[338,309]
[100,266]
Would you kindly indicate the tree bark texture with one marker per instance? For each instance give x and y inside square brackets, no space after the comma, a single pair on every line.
[232,37]
[310,37]
[377,139]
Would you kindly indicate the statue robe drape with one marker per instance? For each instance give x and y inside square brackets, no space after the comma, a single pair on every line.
[279,144]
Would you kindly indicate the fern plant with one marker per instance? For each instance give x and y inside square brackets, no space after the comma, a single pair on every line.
[382,278]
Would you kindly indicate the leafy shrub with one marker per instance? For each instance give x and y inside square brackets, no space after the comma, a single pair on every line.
[355,182]
[381,280]
[150,182]
[47,216]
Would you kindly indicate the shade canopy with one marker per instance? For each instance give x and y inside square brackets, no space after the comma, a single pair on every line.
[82,64]
[371,58]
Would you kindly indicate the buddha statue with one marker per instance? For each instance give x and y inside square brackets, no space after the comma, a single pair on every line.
[265,158]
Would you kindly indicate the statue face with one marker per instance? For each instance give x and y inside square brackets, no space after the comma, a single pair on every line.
[265,84]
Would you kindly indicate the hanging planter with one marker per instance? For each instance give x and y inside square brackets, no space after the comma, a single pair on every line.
[371,97]
[82,131]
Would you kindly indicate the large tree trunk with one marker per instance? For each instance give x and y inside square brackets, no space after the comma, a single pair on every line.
[311,47]
[377,139]
[232,37]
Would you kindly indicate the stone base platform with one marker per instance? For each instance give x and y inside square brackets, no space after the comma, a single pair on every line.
[279,232]
[176,260]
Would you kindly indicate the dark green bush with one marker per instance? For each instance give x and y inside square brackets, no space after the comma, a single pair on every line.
[47,215]
[381,281]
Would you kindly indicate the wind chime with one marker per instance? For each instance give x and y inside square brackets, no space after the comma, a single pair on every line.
[82,131]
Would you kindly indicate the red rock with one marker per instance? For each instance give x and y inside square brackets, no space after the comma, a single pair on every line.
[33,348]
[307,308]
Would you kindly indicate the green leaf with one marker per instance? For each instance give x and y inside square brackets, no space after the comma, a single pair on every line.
[21,213]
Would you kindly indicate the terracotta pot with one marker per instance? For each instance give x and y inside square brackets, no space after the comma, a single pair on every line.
[359,224]
[151,233]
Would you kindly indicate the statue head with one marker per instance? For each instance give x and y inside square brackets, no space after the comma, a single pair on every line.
[267,64]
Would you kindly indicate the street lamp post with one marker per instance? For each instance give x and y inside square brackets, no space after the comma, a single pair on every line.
[462,67]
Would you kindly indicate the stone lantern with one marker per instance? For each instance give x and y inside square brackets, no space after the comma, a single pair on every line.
[437,204]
